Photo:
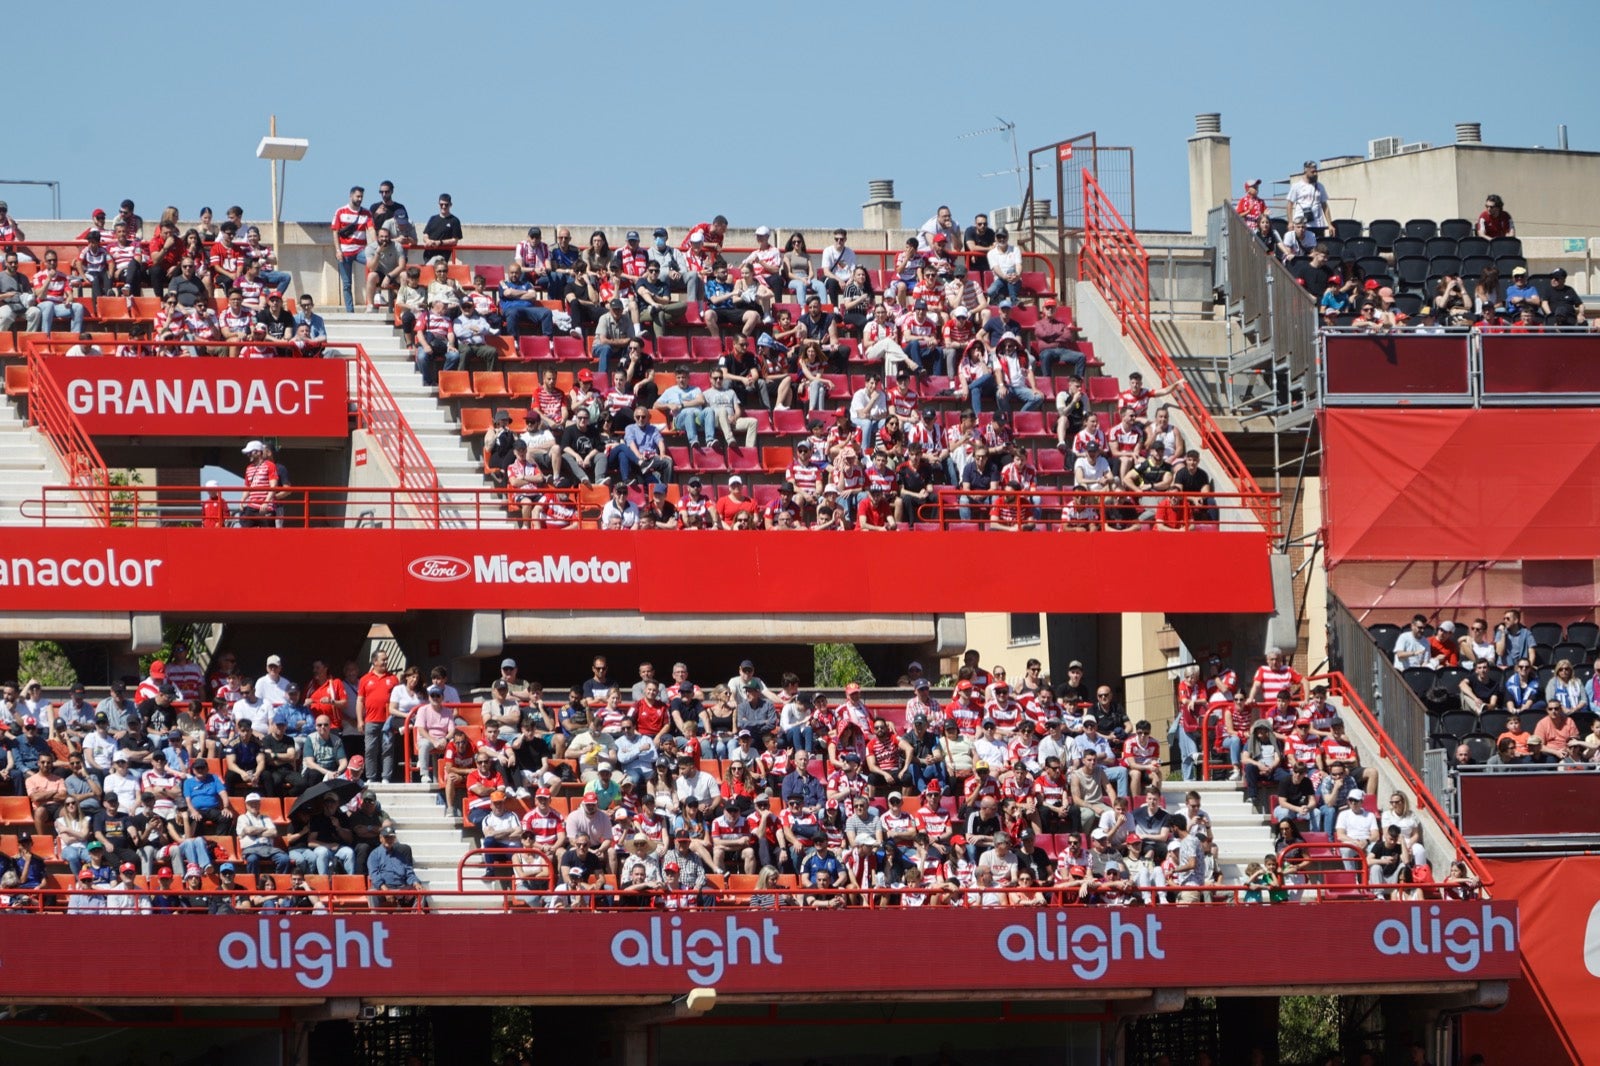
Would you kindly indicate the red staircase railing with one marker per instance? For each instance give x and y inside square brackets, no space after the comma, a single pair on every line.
[379,415]
[51,414]
[1116,262]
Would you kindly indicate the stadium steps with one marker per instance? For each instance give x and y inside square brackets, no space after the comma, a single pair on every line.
[27,465]
[434,837]
[1242,835]
[432,422]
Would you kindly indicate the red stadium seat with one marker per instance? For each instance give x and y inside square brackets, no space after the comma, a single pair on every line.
[702,348]
[454,384]
[489,384]
[535,347]
[668,348]
[570,349]
[522,384]
[1102,389]
[475,421]
[18,382]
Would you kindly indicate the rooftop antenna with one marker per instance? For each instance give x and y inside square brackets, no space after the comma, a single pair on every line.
[1008,132]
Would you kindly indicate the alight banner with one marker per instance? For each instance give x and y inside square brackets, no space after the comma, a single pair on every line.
[241,398]
[434,956]
[383,571]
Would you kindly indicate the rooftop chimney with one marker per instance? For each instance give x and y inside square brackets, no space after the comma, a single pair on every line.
[882,210]
[1469,133]
[1210,169]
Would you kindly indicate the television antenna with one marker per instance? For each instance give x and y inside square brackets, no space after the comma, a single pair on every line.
[1008,132]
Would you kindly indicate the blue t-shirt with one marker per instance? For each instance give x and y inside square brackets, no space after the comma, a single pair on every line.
[204,795]
[828,863]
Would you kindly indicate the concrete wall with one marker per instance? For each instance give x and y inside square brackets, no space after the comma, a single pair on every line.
[1549,193]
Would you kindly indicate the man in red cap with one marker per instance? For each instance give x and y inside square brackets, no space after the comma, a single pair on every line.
[151,685]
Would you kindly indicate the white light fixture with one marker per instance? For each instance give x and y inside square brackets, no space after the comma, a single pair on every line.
[286,149]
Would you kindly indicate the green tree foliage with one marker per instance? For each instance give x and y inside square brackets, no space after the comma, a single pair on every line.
[836,665]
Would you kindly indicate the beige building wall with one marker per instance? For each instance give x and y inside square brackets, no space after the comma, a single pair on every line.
[991,635]
[1549,193]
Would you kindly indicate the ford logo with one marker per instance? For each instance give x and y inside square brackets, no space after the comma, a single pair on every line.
[439,568]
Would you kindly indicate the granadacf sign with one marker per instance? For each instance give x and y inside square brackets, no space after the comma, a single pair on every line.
[206,397]
[642,952]
[385,571]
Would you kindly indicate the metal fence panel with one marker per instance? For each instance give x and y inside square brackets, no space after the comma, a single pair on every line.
[1400,711]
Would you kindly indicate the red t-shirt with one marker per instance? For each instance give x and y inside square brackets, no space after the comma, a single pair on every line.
[728,508]
[374,692]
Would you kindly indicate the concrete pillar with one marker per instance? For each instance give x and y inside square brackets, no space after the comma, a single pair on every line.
[882,210]
[1210,169]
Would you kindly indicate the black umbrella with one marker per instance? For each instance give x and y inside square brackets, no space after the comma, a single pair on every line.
[341,787]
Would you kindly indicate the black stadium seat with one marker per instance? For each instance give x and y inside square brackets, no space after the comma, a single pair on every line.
[1459,723]
[1573,653]
[1384,231]
[1505,246]
[1456,227]
[1371,265]
[1422,227]
[1543,655]
[1333,246]
[1412,270]
[1346,228]
[1507,263]
[1409,246]
[1585,633]
[1437,246]
[1473,266]
[1408,303]
[1493,722]
[1472,246]
[1546,633]
[1420,678]
[1444,264]
[1480,746]
[1360,247]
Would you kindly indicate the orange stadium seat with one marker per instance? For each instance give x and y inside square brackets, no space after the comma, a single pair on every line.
[489,384]
[454,384]
[475,421]
[18,380]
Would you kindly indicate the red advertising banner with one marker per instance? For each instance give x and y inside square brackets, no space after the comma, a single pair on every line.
[1560,903]
[1386,364]
[437,956]
[206,397]
[1431,484]
[1534,364]
[383,571]
[1503,804]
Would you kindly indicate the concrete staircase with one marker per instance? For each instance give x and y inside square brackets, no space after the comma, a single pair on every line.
[27,465]
[433,422]
[436,841]
[1242,835]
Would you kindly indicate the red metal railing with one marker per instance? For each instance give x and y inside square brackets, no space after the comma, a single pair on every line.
[1339,687]
[51,414]
[1059,510]
[379,415]
[1115,261]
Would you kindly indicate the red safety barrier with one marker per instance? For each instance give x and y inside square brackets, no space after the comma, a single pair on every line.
[1115,261]
[50,412]
[1065,510]
[1339,688]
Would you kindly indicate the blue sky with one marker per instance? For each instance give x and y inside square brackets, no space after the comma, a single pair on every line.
[674,112]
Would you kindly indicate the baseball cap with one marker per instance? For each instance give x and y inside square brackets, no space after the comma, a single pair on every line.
[274,660]
[127,868]
[435,690]
[387,830]
[922,683]
[632,235]
[1559,272]
[762,231]
[158,670]
[545,792]
[962,312]
[697,238]
[504,663]
[254,797]
[164,871]
[86,874]
[851,689]
[897,796]
[1356,795]
[357,762]
[497,794]
[253,446]
[659,231]
[1519,270]
[736,480]
[227,868]
[1252,183]
[1099,834]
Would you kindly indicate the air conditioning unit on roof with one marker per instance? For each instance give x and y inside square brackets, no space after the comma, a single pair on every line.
[1383,147]
[1416,146]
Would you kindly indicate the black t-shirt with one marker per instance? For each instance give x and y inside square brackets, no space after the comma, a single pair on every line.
[660,290]
[382,212]
[737,363]
[582,439]
[1198,481]
[1566,297]
[278,746]
[117,828]
[1297,793]
[1313,278]
[664,512]
[1484,690]
[442,229]
[279,327]
[976,242]
[1152,473]
[139,742]
[817,328]
[913,477]
[326,829]
[531,752]
[587,865]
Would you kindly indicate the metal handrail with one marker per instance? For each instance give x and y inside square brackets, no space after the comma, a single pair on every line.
[1044,509]
[1115,262]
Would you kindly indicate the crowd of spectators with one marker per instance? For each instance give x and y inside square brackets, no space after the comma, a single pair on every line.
[1350,293]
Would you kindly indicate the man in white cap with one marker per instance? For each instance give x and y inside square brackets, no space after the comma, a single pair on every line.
[272,687]
[259,506]
[766,260]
